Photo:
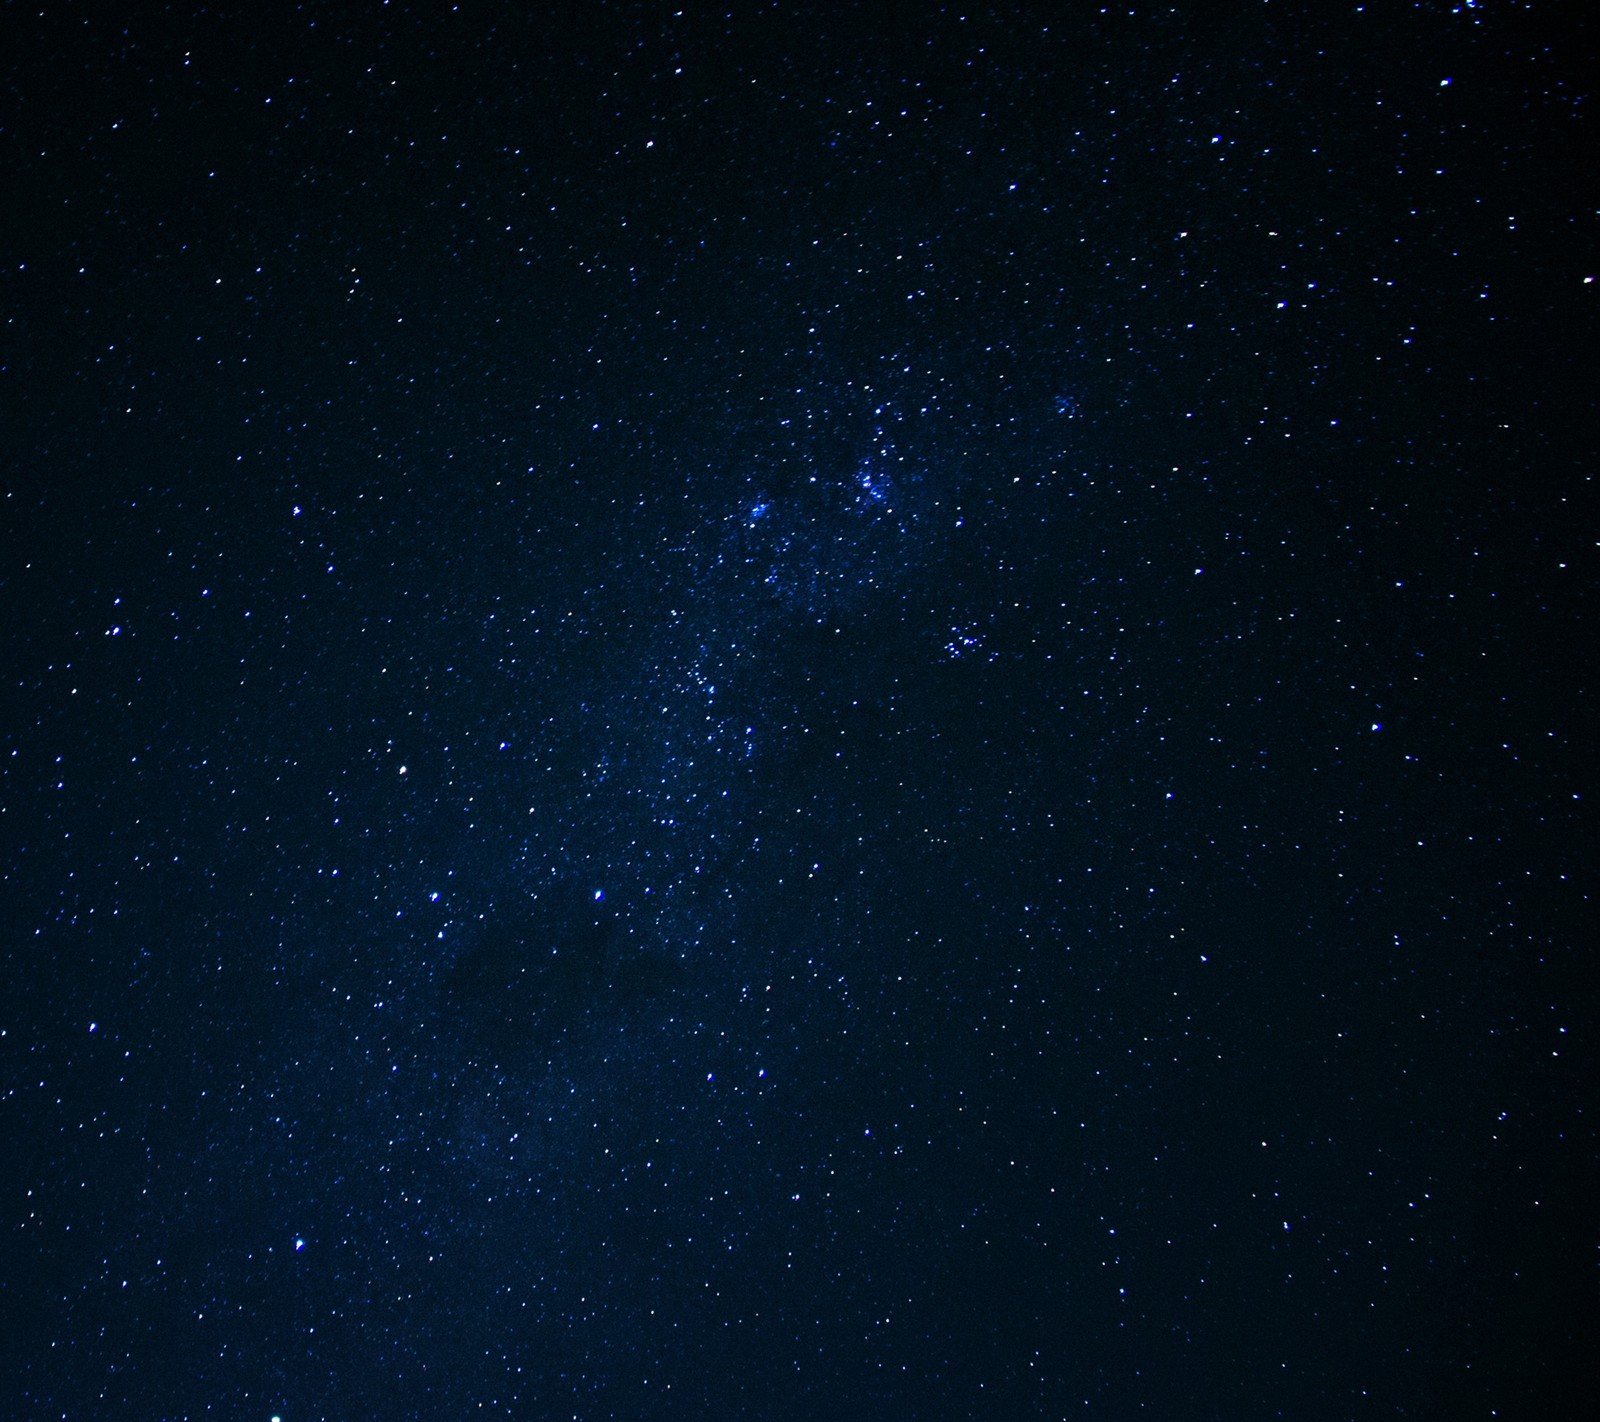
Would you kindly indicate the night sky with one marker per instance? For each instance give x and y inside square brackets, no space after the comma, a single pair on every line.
[792,712]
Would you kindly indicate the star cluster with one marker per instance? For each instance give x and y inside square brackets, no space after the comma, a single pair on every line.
[776,711]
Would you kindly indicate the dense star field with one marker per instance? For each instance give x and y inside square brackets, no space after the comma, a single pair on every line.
[787,711]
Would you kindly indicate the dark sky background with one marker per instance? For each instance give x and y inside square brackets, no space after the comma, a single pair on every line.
[796,711]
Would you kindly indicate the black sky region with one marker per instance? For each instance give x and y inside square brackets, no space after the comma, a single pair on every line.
[796,711]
